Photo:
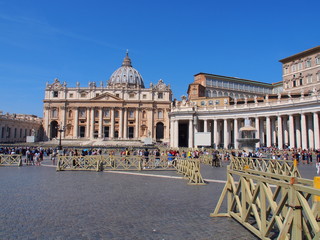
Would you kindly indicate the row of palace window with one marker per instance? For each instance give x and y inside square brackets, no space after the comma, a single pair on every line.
[300,82]
[226,94]
[299,66]
[6,132]
[106,113]
[236,86]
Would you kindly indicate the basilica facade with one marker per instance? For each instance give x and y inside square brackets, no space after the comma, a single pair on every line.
[123,109]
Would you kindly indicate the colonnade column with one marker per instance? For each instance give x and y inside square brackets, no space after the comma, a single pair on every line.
[176,133]
[310,132]
[286,131]
[268,131]
[298,131]
[257,126]
[137,124]
[205,125]
[215,133]
[316,130]
[273,131]
[191,137]
[76,123]
[171,133]
[280,138]
[112,123]
[291,131]
[100,131]
[225,134]
[92,123]
[236,133]
[304,131]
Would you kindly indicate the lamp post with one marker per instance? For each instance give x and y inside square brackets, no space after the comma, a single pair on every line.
[60,130]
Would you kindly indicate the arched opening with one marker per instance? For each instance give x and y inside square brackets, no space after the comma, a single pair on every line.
[159,131]
[53,129]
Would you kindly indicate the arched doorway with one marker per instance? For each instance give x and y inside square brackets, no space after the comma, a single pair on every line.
[53,129]
[159,131]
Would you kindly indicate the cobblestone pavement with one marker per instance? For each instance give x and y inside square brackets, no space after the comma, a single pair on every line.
[40,203]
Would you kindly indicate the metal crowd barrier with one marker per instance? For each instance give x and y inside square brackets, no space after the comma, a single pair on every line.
[10,160]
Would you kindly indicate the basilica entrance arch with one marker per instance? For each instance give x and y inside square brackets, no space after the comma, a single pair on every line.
[159,131]
[53,129]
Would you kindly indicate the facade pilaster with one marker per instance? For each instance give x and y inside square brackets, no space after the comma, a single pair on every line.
[100,131]
[273,131]
[112,123]
[125,123]
[88,123]
[120,123]
[76,123]
[137,124]
[92,123]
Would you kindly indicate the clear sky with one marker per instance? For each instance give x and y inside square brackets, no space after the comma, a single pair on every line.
[86,41]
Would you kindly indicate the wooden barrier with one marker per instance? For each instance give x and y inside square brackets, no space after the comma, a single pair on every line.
[271,204]
[85,163]
[10,160]
[190,168]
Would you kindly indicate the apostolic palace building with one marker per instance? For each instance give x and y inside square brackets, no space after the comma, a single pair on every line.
[284,113]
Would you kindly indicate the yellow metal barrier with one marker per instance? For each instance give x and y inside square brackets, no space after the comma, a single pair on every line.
[272,206]
[85,163]
[10,160]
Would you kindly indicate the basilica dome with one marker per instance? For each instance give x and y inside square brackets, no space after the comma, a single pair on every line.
[126,75]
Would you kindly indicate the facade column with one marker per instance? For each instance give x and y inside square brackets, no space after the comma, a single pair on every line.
[298,131]
[286,131]
[262,133]
[304,131]
[291,131]
[225,134]
[236,133]
[280,137]
[63,122]
[310,132]
[88,123]
[176,133]
[137,124]
[257,126]
[205,125]
[215,133]
[120,123]
[92,123]
[76,123]
[125,123]
[46,123]
[191,137]
[100,131]
[111,136]
[273,132]
[171,132]
[268,131]
[316,130]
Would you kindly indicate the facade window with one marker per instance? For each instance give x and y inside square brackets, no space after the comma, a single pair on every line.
[20,132]
[117,95]
[54,113]
[300,82]
[55,93]
[83,95]
[116,114]
[8,132]
[318,76]
[107,113]
[210,102]
[160,95]
[70,114]
[97,94]
[144,96]
[308,63]
[293,68]
[71,95]
[15,133]
[203,103]
[144,114]
[82,113]
[25,132]
[294,83]
[131,95]
[299,66]
[217,102]
[160,114]
[131,114]
[96,113]
[318,60]
[309,79]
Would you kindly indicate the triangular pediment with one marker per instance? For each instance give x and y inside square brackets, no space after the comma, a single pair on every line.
[106,97]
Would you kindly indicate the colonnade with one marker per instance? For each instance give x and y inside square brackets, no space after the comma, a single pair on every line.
[298,130]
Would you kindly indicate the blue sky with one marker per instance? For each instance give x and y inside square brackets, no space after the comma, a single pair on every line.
[86,41]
